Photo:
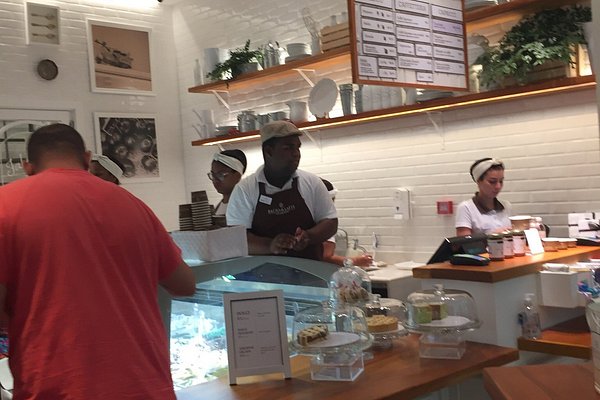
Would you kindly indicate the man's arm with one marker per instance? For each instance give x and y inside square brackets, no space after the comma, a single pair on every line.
[319,233]
[180,282]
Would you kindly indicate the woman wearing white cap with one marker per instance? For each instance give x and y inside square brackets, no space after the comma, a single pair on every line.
[484,213]
[106,168]
[226,171]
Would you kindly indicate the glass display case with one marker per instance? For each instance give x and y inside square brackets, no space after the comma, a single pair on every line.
[196,324]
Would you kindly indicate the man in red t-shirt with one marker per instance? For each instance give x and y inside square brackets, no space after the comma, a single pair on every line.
[80,264]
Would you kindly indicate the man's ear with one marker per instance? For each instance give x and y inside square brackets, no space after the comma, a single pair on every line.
[87,157]
[28,167]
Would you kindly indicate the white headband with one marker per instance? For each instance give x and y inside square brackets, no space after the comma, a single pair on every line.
[332,193]
[108,165]
[482,168]
[231,162]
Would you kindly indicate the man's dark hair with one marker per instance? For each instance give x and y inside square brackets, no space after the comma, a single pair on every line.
[238,155]
[56,139]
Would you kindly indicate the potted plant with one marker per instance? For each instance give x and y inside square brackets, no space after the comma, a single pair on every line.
[238,62]
[549,35]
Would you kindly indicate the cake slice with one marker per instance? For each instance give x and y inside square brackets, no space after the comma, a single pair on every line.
[312,334]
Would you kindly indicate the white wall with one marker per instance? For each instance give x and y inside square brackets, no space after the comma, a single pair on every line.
[20,87]
[549,144]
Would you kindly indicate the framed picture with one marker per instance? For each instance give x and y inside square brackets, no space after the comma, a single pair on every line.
[42,24]
[119,58]
[131,140]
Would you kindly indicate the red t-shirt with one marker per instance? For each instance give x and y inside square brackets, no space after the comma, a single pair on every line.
[81,259]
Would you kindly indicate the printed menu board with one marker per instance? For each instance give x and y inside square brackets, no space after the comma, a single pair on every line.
[418,43]
[256,334]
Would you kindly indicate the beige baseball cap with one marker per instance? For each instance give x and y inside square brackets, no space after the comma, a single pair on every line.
[278,129]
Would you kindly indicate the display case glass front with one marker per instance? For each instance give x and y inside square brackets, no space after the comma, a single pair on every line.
[197,324]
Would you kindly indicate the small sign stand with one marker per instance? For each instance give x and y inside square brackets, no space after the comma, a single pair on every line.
[256,334]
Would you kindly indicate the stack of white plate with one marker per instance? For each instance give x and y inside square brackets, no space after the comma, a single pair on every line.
[297,51]
[470,4]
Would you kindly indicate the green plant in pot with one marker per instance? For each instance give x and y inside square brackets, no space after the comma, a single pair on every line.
[549,35]
[238,59]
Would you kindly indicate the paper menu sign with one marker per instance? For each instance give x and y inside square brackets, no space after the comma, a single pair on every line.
[418,43]
[256,334]
[534,241]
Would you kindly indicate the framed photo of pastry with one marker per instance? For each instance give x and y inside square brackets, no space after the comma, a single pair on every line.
[42,24]
[119,58]
[131,140]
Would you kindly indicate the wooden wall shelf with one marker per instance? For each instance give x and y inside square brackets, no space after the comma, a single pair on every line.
[448,103]
[479,18]
[323,61]
[510,12]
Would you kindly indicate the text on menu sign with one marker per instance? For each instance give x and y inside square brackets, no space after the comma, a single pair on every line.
[418,43]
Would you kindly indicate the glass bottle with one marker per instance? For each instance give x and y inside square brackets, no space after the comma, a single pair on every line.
[529,318]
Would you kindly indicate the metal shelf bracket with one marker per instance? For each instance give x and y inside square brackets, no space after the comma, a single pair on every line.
[304,76]
[217,94]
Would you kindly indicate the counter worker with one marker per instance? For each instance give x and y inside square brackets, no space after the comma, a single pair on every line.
[286,211]
[107,168]
[226,170]
[329,246]
[484,213]
[80,283]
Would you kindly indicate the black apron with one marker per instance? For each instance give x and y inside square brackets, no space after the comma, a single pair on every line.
[287,211]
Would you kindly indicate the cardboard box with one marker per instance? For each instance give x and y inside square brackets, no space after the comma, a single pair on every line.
[212,245]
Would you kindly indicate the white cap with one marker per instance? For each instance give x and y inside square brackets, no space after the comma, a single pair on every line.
[108,165]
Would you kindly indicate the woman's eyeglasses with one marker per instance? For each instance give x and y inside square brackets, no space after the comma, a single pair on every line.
[218,176]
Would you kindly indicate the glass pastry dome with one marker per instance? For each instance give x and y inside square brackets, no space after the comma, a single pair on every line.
[350,285]
[330,328]
[440,309]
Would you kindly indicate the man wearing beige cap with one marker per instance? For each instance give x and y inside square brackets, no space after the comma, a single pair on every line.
[286,211]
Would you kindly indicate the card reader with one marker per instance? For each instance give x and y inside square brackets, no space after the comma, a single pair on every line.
[469,259]
[588,241]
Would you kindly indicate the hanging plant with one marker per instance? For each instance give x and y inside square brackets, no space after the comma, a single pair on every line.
[549,35]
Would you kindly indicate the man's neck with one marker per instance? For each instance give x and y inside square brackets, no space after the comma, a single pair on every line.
[275,179]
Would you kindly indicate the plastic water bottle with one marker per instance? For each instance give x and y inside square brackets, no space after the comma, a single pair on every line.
[529,318]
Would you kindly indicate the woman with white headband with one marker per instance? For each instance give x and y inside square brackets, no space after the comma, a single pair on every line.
[484,213]
[226,171]
[106,168]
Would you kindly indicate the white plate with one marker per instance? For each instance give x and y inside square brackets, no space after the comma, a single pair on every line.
[335,339]
[451,321]
[322,97]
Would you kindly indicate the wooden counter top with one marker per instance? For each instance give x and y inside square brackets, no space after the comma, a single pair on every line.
[571,338]
[398,373]
[506,269]
[541,382]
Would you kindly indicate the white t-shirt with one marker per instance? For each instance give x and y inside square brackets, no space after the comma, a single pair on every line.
[469,216]
[242,203]
[221,209]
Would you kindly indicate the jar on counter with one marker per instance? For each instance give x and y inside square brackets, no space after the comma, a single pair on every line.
[495,243]
[507,241]
[518,243]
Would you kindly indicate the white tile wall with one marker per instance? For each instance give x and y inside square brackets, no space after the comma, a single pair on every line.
[20,87]
[550,144]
